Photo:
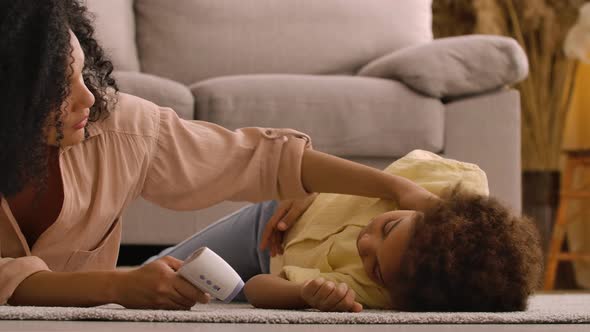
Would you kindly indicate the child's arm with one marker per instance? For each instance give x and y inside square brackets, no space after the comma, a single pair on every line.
[274,292]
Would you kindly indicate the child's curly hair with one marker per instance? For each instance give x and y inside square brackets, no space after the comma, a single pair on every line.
[469,253]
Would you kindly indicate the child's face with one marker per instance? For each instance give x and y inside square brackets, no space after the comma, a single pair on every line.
[382,243]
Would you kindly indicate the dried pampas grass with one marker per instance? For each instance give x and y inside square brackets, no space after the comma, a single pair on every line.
[540,26]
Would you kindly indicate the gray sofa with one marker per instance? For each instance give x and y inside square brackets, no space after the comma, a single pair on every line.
[296,64]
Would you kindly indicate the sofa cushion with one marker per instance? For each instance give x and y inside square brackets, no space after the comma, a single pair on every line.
[161,91]
[346,116]
[115,31]
[455,66]
[192,40]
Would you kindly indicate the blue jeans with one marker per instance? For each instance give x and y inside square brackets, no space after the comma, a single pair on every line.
[235,238]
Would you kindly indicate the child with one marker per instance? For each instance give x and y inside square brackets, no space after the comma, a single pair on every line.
[464,253]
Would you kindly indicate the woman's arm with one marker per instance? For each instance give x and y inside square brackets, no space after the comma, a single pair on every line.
[321,172]
[76,289]
[155,285]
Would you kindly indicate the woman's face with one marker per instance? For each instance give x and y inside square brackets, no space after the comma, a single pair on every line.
[382,243]
[76,107]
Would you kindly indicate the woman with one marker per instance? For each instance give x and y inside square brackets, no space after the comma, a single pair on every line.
[74,153]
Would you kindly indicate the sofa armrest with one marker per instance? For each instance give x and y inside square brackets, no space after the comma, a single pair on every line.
[485,130]
[455,66]
[162,91]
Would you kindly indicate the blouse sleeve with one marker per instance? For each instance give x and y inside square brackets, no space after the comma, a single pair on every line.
[196,164]
[14,270]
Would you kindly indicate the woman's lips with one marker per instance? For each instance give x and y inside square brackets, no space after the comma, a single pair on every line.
[81,124]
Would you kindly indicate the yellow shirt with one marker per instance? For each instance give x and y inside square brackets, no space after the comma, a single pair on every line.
[323,241]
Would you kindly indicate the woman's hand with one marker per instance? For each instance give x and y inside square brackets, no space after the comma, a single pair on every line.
[328,296]
[287,213]
[417,199]
[157,285]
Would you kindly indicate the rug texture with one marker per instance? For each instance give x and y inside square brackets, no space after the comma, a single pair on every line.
[542,309]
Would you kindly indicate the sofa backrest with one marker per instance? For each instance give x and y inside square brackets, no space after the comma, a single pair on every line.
[192,40]
[115,30]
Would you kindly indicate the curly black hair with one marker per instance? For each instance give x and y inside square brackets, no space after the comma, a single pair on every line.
[469,253]
[35,55]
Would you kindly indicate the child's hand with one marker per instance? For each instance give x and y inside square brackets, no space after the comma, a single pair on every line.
[288,212]
[328,296]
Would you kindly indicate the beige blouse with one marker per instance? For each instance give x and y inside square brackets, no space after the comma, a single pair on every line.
[145,150]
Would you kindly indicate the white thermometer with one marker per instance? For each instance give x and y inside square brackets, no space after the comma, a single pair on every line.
[211,274]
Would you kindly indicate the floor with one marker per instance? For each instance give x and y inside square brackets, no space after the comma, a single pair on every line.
[35,326]
[100,326]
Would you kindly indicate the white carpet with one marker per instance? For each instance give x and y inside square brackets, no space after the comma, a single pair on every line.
[570,308]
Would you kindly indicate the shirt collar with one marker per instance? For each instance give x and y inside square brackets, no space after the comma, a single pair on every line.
[93,130]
